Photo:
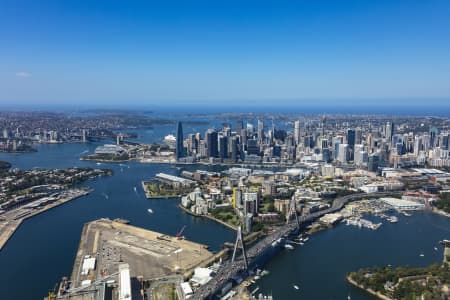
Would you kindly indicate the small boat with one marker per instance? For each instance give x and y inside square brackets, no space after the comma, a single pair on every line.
[348,297]
[289,247]
[150,210]
[135,189]
[435,248]
[296,287]
[98,164]
[422,255]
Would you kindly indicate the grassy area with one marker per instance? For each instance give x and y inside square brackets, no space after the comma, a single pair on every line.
[226,214]
[161,190]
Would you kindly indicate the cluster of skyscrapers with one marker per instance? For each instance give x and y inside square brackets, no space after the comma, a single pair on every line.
[369,147]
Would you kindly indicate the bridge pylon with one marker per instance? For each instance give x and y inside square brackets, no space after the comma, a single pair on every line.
[292,211]
[244,252]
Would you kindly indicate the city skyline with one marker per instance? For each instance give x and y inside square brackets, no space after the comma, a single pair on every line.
[142,54]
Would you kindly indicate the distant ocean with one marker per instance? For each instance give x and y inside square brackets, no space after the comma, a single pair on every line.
[383,109]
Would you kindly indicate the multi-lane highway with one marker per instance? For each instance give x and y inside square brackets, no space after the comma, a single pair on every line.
[230,269]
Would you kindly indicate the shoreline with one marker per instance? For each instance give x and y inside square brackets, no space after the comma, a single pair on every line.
[440,212]
[370,291]
[207,217]
[10,228]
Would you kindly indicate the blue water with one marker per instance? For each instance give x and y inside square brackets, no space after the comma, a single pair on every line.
[43,249]
[320,266]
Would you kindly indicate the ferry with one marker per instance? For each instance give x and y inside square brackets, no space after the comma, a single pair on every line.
[150,210]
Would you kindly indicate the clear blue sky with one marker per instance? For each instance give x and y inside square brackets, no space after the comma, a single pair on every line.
[220,52]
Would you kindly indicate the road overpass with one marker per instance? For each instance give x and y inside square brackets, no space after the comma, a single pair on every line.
[230,269]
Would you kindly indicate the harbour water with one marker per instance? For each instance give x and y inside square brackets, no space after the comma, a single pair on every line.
[319,267]
[42,250]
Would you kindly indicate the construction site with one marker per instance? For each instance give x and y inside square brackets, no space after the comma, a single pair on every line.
[114,260]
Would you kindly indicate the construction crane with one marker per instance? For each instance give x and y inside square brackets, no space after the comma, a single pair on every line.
[179,233]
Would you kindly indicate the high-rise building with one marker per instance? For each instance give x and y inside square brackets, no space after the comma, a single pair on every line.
[223,147]
[297,133]
[351,143]
[324,120]
[373,162]
[343,155]
[233,148]
[212,147]
[179,148]
[239,126]
[260,132]
[389,132]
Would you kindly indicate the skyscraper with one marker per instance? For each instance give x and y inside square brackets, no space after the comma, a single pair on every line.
[389,132]
[297,133]
[212,143]
[260,132]
[324,120]
[179,148]
[351,143]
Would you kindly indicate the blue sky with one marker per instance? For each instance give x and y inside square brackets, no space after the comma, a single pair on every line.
[144,53]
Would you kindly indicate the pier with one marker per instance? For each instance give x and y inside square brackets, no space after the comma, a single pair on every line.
[11,220]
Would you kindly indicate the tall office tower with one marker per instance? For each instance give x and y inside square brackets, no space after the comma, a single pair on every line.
[243,134]
[297,133]
[358,136]
[202,149]
[260,132]
[212,147]
[358,159]
[389,132]
[351,142]
[336,144]
[369,142]
[192,144]
[343,155]
[324,119]
[239,126]
[434,132]
[223,147]
[418,144]
[326,155]
[233,148]
[226,129]
[444,142]
[252,147]
[250,130]
[373,162]
[179,147]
